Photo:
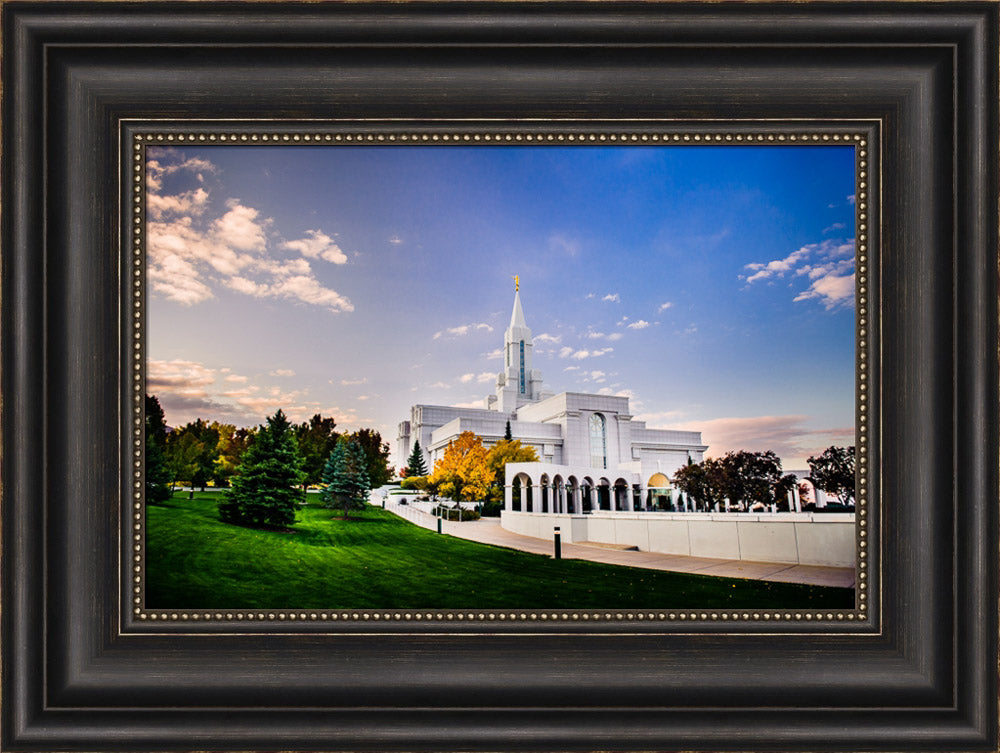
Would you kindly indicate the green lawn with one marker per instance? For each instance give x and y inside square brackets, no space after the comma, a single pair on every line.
[377,560]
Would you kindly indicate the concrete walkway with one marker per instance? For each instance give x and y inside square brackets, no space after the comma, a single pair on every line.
[489,531]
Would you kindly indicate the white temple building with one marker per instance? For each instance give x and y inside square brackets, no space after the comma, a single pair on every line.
[594,455]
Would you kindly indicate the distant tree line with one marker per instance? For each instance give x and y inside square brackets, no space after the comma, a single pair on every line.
[266,469]
[748,479]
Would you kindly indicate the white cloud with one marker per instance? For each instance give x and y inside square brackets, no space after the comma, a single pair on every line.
[834,226]
[594,335]
[494,354]
[189,252]
[395,240]
[352,382]
[470,404]
[545,337]
[240,229]
[439,385]
[852,199]
[572,368]
[178,375]
[829,265]
[308,290]
[612,297]
[579,355]
[318,245]
[832,290]
[164,161]
[193,202]
[664,306]
[190,389]
[463,329]
[282,373]
[639,324]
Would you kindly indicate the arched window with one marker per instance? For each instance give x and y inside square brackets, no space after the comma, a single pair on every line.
[598,442]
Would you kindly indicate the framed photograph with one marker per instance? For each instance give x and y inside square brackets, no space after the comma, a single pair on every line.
[394,329]
[484,376]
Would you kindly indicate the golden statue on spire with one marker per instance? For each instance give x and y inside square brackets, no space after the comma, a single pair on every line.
[517,283]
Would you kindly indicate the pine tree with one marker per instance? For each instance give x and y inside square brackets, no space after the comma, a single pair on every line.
[346,478]
[158,475]
[506,432]
[263,492]
[415,463]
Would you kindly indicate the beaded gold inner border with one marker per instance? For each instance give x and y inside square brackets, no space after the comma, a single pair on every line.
[790,133]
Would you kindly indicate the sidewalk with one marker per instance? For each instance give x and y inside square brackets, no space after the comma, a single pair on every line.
[488,531]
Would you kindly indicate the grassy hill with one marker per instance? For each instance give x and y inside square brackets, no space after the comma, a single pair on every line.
[377,560]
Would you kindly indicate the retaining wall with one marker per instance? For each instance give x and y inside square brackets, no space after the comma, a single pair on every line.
[800,538]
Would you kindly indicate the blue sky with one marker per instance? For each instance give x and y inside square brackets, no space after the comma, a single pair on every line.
[712,285]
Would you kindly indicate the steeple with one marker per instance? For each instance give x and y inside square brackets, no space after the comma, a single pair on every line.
[518,383]
[517,315]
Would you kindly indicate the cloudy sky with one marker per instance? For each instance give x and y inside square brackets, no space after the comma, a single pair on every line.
[713,285]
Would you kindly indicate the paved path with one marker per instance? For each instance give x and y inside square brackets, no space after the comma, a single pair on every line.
[489,531]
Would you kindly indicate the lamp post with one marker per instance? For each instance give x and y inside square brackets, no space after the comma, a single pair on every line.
[557,541]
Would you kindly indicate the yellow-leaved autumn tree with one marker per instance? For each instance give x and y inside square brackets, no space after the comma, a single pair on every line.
[503,452]
[462,473]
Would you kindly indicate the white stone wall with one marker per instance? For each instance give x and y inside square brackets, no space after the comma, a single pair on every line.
[793,538]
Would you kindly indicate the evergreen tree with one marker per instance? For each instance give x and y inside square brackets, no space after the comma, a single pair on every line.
[263,492]
[376,456]
[346,478]
[506,432]
[415,463]
[157,473]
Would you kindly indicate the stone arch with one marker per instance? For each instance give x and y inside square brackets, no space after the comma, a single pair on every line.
[587,486]
[521,492]
[544,494]
[620,492]
[574,504]
[604,500]
[558,494]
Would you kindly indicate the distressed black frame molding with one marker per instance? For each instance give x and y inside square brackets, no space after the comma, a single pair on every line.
[918,673]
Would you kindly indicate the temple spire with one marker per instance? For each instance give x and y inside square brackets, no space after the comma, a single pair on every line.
[517,315]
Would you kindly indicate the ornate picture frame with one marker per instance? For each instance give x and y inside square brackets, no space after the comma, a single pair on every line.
[912,668]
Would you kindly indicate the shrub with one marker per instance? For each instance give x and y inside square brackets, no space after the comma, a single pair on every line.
[492,509]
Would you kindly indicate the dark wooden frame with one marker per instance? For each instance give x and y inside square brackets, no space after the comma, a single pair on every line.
[919,673]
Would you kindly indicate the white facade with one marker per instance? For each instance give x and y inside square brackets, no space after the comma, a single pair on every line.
[575,434]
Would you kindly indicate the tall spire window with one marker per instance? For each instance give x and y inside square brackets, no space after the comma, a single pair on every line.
[598,442]
[522,367]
